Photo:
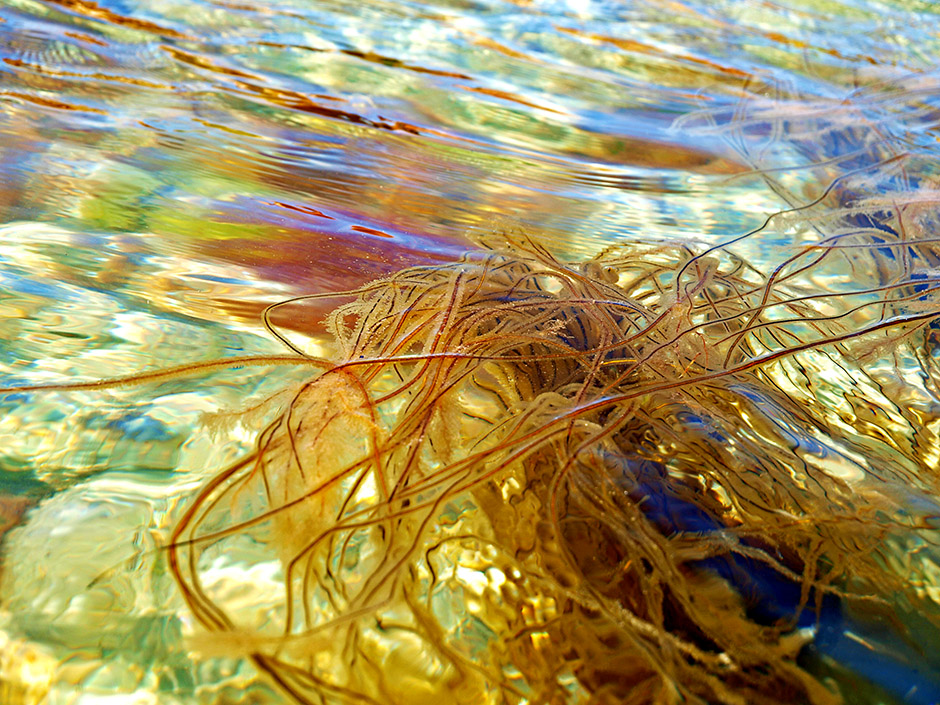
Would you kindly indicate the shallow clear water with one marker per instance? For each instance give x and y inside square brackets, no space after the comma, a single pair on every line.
[168,169]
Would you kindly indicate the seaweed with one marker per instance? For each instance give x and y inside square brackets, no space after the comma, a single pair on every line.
[609,481]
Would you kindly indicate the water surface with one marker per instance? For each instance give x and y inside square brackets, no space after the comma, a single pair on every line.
[167,169]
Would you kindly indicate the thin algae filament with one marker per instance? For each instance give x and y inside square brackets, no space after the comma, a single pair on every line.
[660,475]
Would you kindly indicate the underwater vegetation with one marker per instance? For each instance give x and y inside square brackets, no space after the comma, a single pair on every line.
[528,479]
[660,474]
[657,475]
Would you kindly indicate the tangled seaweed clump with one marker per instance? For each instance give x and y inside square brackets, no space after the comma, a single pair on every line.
[654,476]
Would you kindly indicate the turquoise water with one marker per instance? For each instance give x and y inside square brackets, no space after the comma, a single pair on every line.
[168,169]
